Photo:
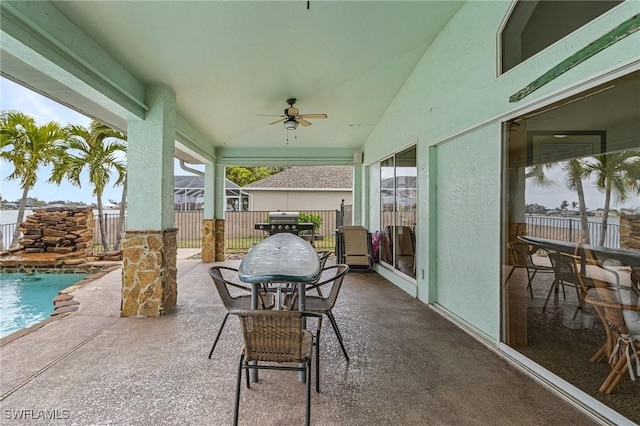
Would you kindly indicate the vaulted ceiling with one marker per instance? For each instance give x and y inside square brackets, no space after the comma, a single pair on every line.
[229,62]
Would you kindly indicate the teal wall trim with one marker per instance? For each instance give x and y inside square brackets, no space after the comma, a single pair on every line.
[195,140]
[41,27]
[286,156]
[628,27]
[432,228]
[219,203]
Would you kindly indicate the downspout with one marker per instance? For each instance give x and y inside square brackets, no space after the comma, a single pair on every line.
[186,168]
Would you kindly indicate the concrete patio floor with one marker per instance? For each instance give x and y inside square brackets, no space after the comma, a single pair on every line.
[409,366]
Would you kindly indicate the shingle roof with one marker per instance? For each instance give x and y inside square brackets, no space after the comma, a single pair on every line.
[309,177]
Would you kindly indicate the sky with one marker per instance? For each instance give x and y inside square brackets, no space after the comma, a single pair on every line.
[16,97]
[552,196]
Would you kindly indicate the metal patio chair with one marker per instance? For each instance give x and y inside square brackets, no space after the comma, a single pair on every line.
[223,279]
[332,276]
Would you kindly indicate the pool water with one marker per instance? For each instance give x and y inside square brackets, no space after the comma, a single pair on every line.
[27,299]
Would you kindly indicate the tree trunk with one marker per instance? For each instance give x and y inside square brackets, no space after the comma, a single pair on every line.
[605,213]
[121,217]
[21,208]
[584,221]
[103,227]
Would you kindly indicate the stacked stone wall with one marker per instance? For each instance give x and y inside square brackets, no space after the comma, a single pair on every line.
[62,230]
[149,274]
[630,231]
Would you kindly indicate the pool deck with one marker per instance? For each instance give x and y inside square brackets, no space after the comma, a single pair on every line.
[409,366]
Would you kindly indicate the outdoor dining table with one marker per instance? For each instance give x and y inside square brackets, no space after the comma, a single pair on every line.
[625,256]
[280,258]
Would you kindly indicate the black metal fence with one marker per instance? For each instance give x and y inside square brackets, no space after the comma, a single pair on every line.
[239,229]
[570,229]
[241,235]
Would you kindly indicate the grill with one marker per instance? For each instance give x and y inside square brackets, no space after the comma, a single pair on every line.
[283,222]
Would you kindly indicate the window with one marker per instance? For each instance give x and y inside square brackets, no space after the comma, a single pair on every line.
[571,186]
[535,25]
[398,205]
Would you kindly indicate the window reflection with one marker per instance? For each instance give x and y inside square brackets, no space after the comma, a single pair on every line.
[571,293]
[398,201]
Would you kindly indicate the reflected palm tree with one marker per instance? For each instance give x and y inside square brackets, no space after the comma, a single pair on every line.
[575,172]
[619,173]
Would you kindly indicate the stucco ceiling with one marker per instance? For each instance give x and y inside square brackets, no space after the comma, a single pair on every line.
[228,62]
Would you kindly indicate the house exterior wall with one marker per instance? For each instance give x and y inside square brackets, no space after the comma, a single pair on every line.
[453,104]
[272,200]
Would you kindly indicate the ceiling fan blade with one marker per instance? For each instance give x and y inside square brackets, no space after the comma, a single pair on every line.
[292,111]
[270,115]
[313,116]
[279,120]
[302,121]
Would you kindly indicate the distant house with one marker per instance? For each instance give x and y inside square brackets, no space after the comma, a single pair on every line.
[188,194]
[302,188]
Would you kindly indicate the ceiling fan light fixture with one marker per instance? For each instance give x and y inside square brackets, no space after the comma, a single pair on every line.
[291,124]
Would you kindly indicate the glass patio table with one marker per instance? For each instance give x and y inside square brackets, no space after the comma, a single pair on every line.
[280,258]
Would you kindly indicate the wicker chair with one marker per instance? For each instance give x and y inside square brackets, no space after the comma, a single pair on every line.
[522,258]
[223,279]
[277,337]
[331,276]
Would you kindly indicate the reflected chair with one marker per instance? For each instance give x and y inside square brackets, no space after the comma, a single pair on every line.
[565,273]
[224,280]
[621,317]
[332,276]
[523,259]
[276,338]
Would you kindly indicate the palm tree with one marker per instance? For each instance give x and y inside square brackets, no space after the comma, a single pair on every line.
[575,171]
[27,147]
[619,173]
[96,148]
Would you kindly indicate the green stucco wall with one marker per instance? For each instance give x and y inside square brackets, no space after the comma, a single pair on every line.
[455,99]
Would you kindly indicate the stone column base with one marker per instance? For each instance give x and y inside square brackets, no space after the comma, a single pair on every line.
[208,240]
[149,285]
[219,240]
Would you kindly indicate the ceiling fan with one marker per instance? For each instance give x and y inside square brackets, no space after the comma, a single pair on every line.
[292,117]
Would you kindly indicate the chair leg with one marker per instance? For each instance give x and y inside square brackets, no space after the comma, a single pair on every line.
[236,407]
[219,333]
[614,376]
[318,361]
[509,276]
[338,335]
[307,408]
[553,285]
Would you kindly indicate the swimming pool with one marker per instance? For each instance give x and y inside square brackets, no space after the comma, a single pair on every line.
[27,299]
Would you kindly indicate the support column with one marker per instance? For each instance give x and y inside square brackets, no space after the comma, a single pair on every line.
[358,186]
[208,222]
[149,250]
[219,240]
[219,206]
